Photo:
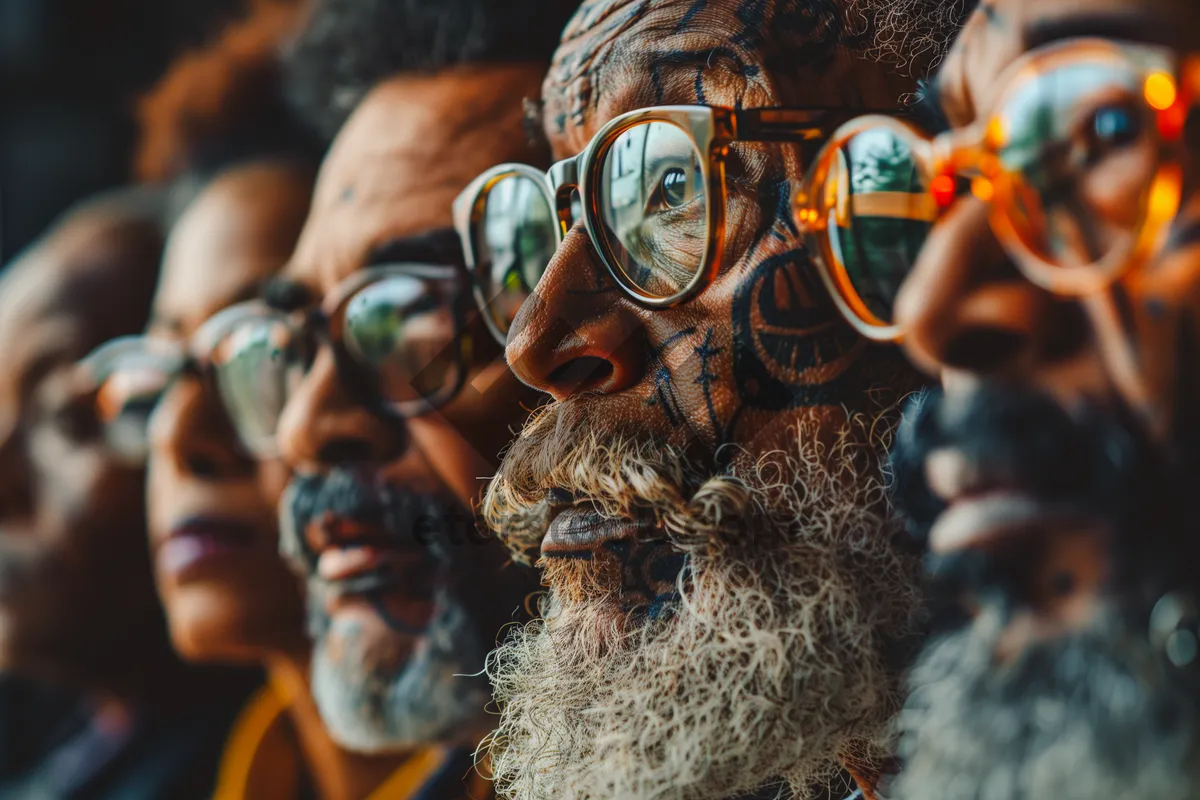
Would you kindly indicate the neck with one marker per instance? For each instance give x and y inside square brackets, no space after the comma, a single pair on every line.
[338,773]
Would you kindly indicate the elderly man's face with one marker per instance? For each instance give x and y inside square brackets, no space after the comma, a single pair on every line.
[704,492]
[1054,476]
[404,597]
[74,578]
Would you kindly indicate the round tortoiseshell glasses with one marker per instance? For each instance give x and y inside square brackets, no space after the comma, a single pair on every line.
[1079,160]
[649,189]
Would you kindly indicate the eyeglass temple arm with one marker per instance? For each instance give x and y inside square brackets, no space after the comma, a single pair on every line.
[783,124]
[564,178]
[808,128]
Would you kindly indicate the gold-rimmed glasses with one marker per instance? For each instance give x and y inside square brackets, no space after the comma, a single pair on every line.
[1079,160]
[649,189]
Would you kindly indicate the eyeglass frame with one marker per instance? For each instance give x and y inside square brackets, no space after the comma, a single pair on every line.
[313,328]
[712,129]
[971,153]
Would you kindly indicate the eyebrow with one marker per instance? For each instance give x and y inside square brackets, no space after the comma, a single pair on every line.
[440,246]
[284,294]
[1127,26]
[248,291]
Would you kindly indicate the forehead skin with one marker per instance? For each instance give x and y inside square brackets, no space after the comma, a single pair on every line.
[620,55]
[407,151]
[996,35]
[87,281]
[237,233]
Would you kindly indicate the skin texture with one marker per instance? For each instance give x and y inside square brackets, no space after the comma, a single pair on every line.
[236,234]
[385,661]
[72,536]
[246,606]
[1094,412]
[752,394]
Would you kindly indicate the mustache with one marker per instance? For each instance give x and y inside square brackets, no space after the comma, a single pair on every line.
[1087,456]
[1093,459]
[399,515]
[566,457]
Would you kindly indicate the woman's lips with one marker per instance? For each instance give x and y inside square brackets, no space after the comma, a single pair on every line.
[582,529]
[199,541]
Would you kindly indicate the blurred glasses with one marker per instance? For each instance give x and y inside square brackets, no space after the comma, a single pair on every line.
[397,333]
[1078,160]
[649,189]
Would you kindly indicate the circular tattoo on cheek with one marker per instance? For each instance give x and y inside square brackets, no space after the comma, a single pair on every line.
[789,347]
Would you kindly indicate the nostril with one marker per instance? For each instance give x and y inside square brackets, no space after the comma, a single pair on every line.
[203,467]
[983,349]
[580,374]
[346,451]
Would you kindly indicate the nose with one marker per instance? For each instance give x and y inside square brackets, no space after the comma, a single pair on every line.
[323,426]
[577,332]
[966,308]
[190,432]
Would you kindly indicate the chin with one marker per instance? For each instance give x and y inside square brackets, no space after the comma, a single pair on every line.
[382,690]
[210,624]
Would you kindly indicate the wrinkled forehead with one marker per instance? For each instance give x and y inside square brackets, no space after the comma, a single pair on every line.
[620,55]
[407,151]
[1001,31]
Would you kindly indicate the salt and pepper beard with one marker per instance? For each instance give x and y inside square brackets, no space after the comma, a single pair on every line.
[775,660]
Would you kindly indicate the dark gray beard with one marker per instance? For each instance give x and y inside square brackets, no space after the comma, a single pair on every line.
[1098,715]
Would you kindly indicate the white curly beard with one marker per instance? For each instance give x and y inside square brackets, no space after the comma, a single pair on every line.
[908,32]
[770,666]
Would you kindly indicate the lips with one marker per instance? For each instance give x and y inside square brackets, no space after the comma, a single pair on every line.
[198,541]
[360,558]
[986,503]
[580,530]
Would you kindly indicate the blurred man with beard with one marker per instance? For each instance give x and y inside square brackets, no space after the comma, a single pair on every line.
[389,398]
[728,604]
[77,604]
[1052,478]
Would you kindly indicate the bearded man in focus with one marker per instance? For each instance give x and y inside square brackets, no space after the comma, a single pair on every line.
[728,602]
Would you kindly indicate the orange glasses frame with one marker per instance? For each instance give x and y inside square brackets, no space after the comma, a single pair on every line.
[1170,87]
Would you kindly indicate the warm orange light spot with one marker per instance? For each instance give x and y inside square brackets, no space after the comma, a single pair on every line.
[983,189]
[996,135]
[1160,91]
[1164,200]
[943,190]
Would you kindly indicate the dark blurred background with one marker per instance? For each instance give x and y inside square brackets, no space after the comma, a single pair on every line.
[70,74]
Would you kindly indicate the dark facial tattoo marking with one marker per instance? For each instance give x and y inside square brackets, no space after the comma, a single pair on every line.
[664,390]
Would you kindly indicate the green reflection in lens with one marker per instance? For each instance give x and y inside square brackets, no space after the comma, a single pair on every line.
[882,216]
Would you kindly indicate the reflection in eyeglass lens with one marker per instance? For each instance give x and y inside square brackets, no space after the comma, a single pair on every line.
[879,215]
[255,367]
[518,240]
[653,208]
[1076,147]
[401,331]
[130,375]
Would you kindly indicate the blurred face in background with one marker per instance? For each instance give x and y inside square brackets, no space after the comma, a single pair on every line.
[227,592]
[404,598]
[74,580]
[1054,477]
[703,494]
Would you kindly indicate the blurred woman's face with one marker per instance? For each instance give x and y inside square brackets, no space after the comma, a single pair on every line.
[211,506]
